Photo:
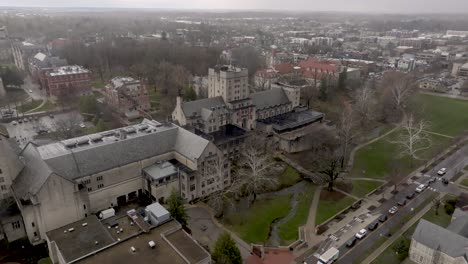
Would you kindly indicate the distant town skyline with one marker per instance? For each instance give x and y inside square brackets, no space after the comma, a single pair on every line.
[368,6]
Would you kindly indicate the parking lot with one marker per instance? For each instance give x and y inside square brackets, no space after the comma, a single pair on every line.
[25,131]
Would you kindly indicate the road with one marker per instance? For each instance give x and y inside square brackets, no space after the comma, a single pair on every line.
[454,163]
[32,89]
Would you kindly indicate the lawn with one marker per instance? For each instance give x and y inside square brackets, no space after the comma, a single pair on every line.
[288,231]
[155,97]
[98,84]
[330,204]
[288,177]
[464,182]
[363,187]
[253,225]
[29,105]
[446,116]
[374,160]
[47,107]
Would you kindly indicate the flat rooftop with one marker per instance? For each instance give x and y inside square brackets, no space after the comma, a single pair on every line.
[290,121]
[82,240]
[67,70]
[164,251]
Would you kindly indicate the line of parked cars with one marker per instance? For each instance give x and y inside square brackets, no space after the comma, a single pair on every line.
[402,202]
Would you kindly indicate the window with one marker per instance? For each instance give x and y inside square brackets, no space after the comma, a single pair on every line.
[192,187]
[99,178]
[4,187]
[2,179]
[100,186]
[192,178]
[35,234]
[1,171]
[32,224]
[88,181]
[90,189]
[84,206]
[16,225]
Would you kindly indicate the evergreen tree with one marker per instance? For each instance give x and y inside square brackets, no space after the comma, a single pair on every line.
[88,104]
[323,92]
[190,94]
[177,209]
[342,78]
[225,251]
[100,126]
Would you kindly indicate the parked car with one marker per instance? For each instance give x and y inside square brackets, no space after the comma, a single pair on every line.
[393,210]
[420,188]
[51,116]
[30,91]
[383,218]
[431,180]
[14,123]
[351,242]
[410,195]
[82,125]
[20,121]
[402,202]
[372,226]
[25,120]
[442,171]
[445,181]
[361,234]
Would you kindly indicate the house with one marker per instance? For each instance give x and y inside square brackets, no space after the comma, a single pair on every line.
[129,97]
[66,181]
[434,244]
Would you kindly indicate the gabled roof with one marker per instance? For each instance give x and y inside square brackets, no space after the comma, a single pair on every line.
[284,68]
[40,56]
[314,64]
[269,98]
[439,238]
[194,108]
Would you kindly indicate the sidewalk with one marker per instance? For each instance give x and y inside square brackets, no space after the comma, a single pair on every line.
[398,234]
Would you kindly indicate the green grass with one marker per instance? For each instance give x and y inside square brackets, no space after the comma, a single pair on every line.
[44,261]
[374,160]
[329,207]
[288,231]
[48,106]
[289,177]
[29,105]
[98,84]
[253,225]
[446,115]
[464,182]
[155,97]
[363,187]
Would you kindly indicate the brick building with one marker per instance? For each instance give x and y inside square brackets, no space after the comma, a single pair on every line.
[128,96]
[71,79]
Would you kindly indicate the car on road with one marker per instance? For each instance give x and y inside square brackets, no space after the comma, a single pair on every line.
[372,226]
[402,202]
[420,188]
[410,195]
[445,181]
[51,116]
[20,121]
[82,125]
[361,234]
[383,218]
[25,120]
[442,171]
[431,180]
[351,242]
[14,123]
[30,91]
[393,210]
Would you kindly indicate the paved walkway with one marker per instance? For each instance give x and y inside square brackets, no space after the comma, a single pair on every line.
[367,179]
[44,101]
[309,227]
[398,234]
[438,134]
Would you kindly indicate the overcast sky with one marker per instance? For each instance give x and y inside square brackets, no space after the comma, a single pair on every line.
[388,6]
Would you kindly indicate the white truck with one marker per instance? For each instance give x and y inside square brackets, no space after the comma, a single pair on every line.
[329,256]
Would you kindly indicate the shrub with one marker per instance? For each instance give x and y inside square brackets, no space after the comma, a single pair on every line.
[449,209]
[402,248]
[452,202]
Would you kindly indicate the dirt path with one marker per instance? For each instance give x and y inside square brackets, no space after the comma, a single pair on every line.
[34,109]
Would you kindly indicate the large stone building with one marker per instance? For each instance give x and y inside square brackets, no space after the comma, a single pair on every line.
[433,244]
[128,96]
[68,80]
[67,181]
[42,63]
[231,109]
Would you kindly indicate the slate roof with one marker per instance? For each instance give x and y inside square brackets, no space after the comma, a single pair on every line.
[439,238]
[269,98]
[194,108]
[73,163]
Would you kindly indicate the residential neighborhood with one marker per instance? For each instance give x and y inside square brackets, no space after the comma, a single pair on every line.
[234,132]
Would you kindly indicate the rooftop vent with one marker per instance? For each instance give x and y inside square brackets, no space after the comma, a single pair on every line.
[71,143]
[96,242]
[107,133]
[130,130]
[133,249]
[84,224]
[122,134]
[71,229]
[82,141]
[143,127]
[96,137]
[152,244]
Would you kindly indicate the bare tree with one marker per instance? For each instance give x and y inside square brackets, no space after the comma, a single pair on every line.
[252,178]
[346,130]
[365,104]
[436,202]
[67,127]
[329,168]
[413,138]
[399,87]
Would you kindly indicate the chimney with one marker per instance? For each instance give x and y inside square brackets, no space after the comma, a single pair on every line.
[123,134]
